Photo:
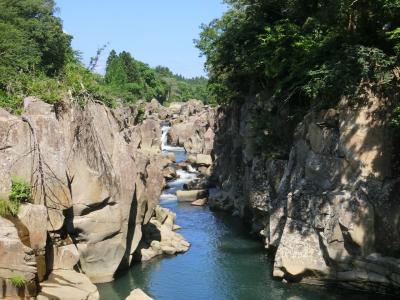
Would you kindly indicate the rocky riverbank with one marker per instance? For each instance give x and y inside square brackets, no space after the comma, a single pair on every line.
[96,175]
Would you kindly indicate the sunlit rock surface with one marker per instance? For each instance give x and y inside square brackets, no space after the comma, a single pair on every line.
[96,177]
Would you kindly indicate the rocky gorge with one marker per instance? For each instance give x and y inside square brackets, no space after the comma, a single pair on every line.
[327,212]
[333,198]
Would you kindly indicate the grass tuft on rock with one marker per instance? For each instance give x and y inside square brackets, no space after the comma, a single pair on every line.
[8,208]
[18,281]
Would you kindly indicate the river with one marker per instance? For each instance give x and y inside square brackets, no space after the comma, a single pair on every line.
[224,261]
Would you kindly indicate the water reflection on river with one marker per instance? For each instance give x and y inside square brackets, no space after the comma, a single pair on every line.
[224,262]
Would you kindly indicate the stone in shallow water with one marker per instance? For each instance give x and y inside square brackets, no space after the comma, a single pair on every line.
[190,196]
[200,202]
[138,294]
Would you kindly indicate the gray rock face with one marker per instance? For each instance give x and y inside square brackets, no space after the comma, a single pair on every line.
[96,179]
[35,218]
[325,207]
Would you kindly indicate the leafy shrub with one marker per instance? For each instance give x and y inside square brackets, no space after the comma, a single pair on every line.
[140,114]
[20,191]
[11,102]
[342,74]
[18,281]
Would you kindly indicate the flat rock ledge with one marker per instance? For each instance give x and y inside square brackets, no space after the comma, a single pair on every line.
[68,285]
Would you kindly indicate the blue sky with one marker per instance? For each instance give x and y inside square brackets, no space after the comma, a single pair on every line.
[157,32]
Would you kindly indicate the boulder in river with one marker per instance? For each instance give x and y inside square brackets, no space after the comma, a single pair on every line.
[200,202]
[159,236]
[203,160]
[192,195]
[169,173]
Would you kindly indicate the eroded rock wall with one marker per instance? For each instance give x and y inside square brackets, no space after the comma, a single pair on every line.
[96,179]
[329,211]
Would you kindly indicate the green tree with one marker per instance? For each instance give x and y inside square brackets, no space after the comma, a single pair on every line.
[136,80]
[282,46]
[36,19]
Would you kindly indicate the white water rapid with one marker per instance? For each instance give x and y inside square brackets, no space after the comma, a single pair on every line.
[184,177]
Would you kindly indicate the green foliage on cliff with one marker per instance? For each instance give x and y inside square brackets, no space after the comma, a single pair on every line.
[313,50]
[140,117]
[34,51]
[31,38]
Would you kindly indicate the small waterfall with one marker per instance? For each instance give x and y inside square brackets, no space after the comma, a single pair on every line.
[164,140]
[164,136]
[184,177]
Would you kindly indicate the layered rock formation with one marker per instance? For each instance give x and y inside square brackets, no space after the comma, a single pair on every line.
[329,211]
[96,177]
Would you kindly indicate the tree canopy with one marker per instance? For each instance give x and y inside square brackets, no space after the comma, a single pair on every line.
[309,49]
[39,41]
[137,80]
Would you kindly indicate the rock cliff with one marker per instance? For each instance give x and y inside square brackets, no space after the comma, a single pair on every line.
[96,177]
[329,210]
